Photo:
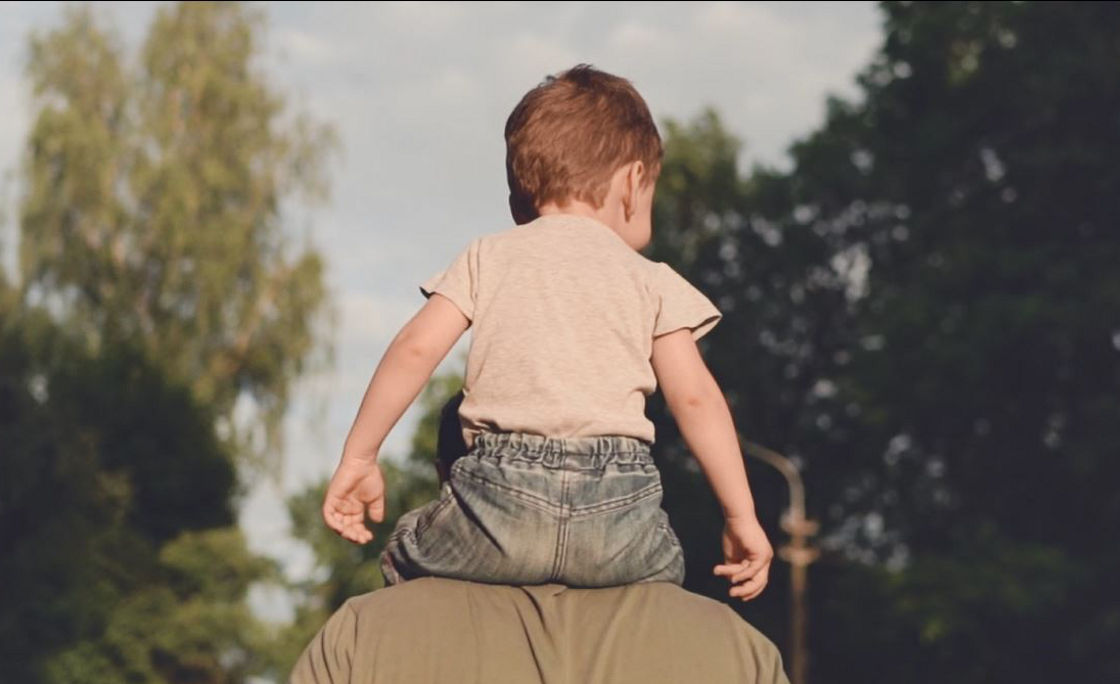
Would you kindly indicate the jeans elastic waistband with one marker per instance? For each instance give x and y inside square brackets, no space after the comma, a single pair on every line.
[589,451]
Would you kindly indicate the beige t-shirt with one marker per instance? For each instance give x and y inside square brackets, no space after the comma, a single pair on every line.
[563,315]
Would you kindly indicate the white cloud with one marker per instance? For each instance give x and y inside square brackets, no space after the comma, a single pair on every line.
[300,46]
[717,18]
[427,18]
[530,56]
[635,36]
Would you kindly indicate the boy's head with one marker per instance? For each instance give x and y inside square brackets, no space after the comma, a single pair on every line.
[567,138]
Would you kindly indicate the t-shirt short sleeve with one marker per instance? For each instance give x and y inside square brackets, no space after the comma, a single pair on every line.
[459,281]
[680,305]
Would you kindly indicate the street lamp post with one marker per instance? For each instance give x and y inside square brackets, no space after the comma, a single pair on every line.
[797,553]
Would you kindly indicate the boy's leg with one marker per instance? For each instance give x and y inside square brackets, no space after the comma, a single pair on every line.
[483,528]
[450,447]
[412,523]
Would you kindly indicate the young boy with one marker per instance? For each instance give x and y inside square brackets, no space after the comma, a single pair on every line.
[573,328]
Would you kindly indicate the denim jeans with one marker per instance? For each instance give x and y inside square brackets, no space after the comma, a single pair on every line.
[520,508]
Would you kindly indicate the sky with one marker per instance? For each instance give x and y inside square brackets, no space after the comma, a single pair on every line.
[419,94]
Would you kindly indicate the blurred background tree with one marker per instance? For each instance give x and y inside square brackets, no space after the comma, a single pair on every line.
[122,558]
[786,327]
[151,211]
[923,312]
[157,291]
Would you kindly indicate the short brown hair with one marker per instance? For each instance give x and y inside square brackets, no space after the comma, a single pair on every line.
[568,135]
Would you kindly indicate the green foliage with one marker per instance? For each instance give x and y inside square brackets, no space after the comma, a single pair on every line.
[157,288]
[121,562]
[152,205]
[970,432]
[192,626]
[922,313]
[786,321]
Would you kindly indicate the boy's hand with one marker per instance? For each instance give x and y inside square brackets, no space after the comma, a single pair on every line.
[747,554]
[356,489]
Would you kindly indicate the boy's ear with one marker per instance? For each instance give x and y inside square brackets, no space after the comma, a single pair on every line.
[635,174]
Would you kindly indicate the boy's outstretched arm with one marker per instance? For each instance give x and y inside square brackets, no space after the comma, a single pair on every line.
[356,487]
[701,412]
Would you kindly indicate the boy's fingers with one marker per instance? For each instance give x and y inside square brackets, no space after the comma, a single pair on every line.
[741,570]
[753,594]
[750,596]
[333,518]
[728,569]
[339,512]
[377,510]
[347,525]
[747,572]
[746,591]
[356,534]
[347,506]
[750,588]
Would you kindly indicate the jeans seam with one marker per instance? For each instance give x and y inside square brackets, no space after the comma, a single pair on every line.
[539,503]
[561,528]
[543,462]
[647,492]
[670,533]
[428,520]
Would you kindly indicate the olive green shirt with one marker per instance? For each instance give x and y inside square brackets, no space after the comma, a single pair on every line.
[436,630]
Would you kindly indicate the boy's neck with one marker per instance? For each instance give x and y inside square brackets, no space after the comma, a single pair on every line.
[578,208]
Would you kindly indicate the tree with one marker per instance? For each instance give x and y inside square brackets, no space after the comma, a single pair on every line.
[121,557]
[920,313]
[156,290]
[151,210]
[976,413]
[785,330]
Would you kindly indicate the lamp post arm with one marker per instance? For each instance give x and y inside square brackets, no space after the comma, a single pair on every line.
[788,470]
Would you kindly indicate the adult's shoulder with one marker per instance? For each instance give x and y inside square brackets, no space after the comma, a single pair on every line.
[437,630]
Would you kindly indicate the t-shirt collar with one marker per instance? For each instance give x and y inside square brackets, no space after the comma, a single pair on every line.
[579,219]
